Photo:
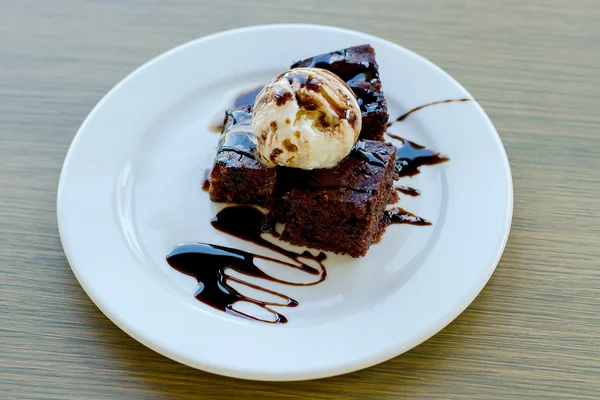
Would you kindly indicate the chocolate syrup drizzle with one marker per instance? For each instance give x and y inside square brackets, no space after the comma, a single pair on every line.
[313,84]
[241,140]
[408,191]
[369,157]
[399,215]
[208,263]
[406,114]
[410,156]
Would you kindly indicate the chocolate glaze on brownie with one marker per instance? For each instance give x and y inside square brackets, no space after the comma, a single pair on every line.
[358,68]
[237,176]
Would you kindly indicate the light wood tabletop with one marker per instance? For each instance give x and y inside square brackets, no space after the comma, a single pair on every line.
[533,332]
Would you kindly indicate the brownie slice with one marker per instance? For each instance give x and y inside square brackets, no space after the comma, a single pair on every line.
[358,68]
[237,176]
[341,209]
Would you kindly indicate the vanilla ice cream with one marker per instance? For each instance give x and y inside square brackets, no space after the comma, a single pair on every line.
[305,118]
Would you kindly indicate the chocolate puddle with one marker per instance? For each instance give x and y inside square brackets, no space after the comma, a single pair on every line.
[410,156]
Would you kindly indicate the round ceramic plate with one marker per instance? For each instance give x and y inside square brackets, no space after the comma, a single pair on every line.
[130,190]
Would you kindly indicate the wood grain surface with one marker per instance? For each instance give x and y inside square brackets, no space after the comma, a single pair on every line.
[534,332]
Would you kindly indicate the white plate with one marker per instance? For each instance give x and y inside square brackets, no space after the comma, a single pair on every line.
[130,189]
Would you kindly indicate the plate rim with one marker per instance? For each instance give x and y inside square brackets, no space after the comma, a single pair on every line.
[434,328]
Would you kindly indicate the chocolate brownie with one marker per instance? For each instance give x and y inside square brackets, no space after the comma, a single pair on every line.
[358,68]
[237,176]
[341,209]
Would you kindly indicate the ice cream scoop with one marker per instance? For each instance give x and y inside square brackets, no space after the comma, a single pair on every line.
[305,118]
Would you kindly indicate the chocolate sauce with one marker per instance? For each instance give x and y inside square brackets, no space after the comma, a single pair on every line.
[410,156]
[242,115]
[325,60]
[306,81]
[237,135]
[242,99]
[371,158]
[241,142]
[368,102]
[246,98]
[283,97]
[208,263]
[245,222]
[367,76]
[398,215]
[314,84]
[408,191]
[206,181]
[339,63]
[405,115]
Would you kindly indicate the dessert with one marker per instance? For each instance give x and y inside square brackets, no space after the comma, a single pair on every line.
[305,118]
[295,152]
[327,175]
[359,69]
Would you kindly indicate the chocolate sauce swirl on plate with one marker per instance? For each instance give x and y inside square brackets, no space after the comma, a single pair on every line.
[410,156]
[208,263]
[406,114]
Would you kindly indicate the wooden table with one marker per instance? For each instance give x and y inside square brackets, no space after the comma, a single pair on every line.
[534,332]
